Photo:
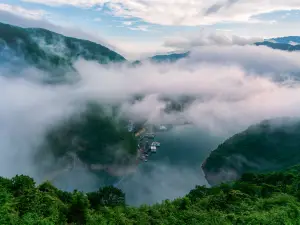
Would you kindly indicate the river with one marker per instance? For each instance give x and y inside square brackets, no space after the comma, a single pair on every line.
[174,170]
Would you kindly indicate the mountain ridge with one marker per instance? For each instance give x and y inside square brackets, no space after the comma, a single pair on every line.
[30,45]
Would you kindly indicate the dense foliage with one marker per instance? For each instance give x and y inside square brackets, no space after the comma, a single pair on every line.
[95,136]
[271,198]
[270,145]
[47,50]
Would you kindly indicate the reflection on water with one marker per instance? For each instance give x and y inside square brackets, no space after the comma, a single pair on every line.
[185,145]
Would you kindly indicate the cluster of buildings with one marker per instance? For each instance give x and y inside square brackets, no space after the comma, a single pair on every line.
[146,143]
[146,149]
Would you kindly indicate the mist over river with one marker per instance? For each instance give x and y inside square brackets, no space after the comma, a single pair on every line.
[174,170]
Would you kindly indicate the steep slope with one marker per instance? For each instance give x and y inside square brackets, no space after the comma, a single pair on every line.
[47,50]
[270,145]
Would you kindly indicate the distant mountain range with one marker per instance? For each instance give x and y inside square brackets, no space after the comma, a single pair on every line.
[291,43]
[279,46]
[287,40]
[169,58]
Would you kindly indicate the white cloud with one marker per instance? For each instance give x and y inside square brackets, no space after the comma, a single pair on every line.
[184,12]
[261,60]
[18,145]
[29,14]
[234,86]
[97,19]
[140,28]
[293,43]
[163,182]
[127,23]
[138,49]
[209,38]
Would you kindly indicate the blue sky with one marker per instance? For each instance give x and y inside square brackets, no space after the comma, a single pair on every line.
[140,27]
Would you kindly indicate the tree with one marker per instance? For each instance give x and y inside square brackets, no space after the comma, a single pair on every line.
[198,192]
[48,188]
[5,183]
[107,196]
[8,215]
[78,210]
[21,184]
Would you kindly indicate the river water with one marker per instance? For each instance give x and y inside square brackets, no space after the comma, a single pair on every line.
[174,170]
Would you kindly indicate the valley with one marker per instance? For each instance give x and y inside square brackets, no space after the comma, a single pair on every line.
[209,133]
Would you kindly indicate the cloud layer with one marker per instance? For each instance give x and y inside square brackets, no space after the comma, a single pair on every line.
[183,12]
[209,38]
[232,87]
[28,14]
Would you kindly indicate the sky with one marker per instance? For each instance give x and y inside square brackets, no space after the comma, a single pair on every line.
[137,28]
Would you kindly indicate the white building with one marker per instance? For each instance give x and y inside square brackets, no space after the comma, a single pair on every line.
[162,127]
[153,148]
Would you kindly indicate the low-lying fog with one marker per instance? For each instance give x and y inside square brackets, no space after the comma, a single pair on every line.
[234,87]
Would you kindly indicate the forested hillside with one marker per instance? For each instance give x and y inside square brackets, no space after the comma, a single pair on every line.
[267,146]
[47,50]
[268,199]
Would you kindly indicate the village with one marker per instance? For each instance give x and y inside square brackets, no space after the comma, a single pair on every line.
[146,140]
